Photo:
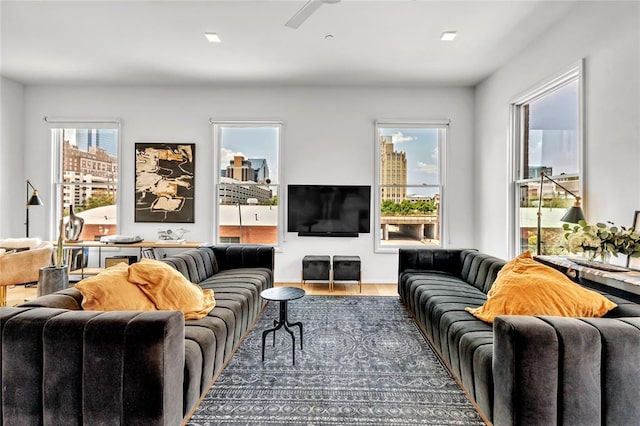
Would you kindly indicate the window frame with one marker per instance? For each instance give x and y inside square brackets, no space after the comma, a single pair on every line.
[56,208]
[216,129]
[443,135]
[516,144]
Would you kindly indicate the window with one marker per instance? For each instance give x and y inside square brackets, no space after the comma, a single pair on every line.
[247,180]
[547,139]
[409,184]
[86,175]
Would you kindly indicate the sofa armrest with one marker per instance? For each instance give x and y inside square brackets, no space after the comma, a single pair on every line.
[244,256]
[67,298]
[90,367]
[554,370]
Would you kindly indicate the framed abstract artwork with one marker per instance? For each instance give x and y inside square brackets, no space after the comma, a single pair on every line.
[634,262]
[165,182]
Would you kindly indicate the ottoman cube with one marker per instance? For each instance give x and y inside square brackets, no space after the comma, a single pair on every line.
[347,268]
[316,268]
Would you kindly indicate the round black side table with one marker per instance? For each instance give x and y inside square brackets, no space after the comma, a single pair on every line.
[283,295]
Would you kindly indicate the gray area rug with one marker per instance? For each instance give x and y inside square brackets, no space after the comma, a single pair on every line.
[364,363]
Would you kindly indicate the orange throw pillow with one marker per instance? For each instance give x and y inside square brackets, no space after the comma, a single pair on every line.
[111,290]
[168,289]
[527,287]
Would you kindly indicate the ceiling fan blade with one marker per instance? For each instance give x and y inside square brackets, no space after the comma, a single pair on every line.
[304,13]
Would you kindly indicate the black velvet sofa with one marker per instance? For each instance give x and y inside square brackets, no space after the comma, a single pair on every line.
[61,365]
[523,370]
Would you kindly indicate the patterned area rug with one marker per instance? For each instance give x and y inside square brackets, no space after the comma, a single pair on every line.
[364,362]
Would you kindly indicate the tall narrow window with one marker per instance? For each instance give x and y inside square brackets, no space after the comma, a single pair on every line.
[410,186]
[548,140]
[248,182]
[86,175]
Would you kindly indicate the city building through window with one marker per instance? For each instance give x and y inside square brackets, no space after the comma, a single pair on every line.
[247,182]
[409,184]
[547,137]
[86,176]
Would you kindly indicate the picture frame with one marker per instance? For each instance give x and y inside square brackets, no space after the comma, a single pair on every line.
[165,182]
[634,262]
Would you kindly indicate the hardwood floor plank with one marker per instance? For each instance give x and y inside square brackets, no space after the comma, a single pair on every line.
[344,289]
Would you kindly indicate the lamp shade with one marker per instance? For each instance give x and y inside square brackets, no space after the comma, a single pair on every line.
[35,200]
[573,215]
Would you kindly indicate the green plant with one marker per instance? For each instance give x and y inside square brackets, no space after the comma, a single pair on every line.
[601,239]
[407,207]
[59,248]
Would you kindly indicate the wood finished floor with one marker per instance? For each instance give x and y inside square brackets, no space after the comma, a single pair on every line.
[345,289]
[20,294]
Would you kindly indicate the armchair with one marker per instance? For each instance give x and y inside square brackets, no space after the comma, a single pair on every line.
[22,267]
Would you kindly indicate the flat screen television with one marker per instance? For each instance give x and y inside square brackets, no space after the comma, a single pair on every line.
[329,210]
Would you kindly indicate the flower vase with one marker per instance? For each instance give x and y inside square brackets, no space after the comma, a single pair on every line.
[595,257]
[52,279]
[590,255]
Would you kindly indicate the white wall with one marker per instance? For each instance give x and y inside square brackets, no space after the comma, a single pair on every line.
[329,138]
[607,35]
[12,195]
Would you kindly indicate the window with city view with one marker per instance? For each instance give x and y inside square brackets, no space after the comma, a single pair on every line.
[548,141]
[409,181]
[86,177]
[247,183]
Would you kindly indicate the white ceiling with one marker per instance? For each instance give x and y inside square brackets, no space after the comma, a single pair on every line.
[392,42]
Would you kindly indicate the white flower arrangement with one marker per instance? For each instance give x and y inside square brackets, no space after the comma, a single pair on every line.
[601,239]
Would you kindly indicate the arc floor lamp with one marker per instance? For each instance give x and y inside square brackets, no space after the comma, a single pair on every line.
[573,215]
[34,200]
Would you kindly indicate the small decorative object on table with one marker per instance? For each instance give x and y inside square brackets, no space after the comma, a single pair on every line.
[74,226]
[171,235]
[601,240]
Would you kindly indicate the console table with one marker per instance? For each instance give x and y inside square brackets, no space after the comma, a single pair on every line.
[623,284]
[83,271]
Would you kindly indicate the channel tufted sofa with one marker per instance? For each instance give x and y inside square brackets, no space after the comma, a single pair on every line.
[523,370]
[61,365]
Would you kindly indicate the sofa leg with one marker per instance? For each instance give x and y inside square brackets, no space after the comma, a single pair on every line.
[3,295]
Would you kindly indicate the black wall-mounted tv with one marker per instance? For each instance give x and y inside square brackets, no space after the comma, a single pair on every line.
[329,210]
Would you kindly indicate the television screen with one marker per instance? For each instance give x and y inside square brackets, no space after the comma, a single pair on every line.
[328,210]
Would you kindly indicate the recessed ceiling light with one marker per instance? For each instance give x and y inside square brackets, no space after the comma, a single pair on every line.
[212,37]
[448,35]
